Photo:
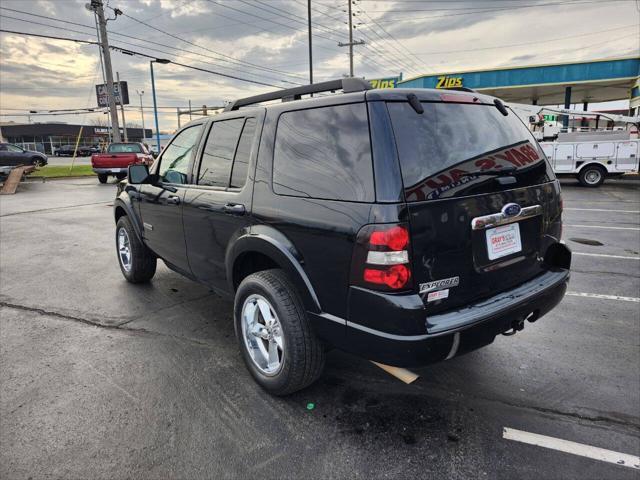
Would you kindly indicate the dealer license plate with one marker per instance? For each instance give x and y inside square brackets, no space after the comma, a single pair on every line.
[503,241]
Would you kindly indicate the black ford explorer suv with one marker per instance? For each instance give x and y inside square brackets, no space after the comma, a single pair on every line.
[405,226]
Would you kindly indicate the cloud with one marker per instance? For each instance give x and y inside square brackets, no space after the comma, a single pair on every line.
[39,74]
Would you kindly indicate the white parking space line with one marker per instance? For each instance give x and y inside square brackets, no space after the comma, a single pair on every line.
[601,210]
[604,255]
[603,227]
[604,297]
[566,446]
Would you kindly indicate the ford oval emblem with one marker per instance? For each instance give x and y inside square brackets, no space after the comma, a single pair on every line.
[511,210]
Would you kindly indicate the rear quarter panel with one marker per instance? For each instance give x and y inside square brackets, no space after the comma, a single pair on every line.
[322,231]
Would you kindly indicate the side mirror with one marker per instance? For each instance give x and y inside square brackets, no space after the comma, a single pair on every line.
[138,173]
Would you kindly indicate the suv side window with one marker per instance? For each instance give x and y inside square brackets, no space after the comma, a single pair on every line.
[174,163]
[225,159]
[324,153]
[243,153]
[215,166]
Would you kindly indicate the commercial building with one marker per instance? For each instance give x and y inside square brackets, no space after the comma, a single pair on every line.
[552,84]
[47,137]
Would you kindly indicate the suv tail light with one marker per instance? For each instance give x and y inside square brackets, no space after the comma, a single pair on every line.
[381,258]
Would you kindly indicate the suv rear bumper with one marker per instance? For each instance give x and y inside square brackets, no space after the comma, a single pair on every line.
[448,334]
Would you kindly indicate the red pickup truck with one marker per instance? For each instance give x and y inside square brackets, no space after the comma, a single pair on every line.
[117,159]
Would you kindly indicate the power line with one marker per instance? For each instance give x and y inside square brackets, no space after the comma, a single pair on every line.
[378,50]
[289,27]
[535,42]
[499,9]
[132,52]
[49,36]
[394,39]
[240,62]
[150,48]
[268,19]
[479,9]
[204,48]
[294,17]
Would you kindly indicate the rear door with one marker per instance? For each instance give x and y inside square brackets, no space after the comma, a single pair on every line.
[217,204]
[161,204]
[463,226]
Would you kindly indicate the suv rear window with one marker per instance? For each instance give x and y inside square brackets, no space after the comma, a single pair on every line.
[125,148]
[324,153]
[449,140]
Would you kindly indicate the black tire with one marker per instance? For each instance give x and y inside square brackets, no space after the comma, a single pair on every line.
[143,262]
[121,176]
[103,177]
[38,162]
[592,176]
[303,355]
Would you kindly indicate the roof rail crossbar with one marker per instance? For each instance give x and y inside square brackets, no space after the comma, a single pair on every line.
[347,85]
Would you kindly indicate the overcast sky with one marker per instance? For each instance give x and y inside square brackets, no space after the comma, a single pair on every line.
[267,41]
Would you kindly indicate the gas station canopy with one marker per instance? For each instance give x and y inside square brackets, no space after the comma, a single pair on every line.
[553,84]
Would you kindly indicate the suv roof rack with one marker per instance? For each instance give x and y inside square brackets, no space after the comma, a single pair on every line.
[347,85]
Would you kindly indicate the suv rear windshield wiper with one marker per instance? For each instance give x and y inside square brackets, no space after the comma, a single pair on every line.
[501,172]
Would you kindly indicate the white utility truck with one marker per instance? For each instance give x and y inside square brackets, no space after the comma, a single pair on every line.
[593,156]
[590,156]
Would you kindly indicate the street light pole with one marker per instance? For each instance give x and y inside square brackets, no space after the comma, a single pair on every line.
[153,93]
[140,94]
[124,122]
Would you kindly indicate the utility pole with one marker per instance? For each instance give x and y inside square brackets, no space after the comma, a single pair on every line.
[124,122]
[104,78]
[144,133]
[106,55]
[351,43]
[310,44]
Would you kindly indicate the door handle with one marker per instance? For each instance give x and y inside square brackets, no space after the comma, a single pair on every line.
[173,199]
[234,209]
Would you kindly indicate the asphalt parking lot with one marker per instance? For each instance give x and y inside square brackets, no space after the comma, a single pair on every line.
[103,379]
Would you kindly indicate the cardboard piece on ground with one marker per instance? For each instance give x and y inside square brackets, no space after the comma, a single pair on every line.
[400,373]
[11,183]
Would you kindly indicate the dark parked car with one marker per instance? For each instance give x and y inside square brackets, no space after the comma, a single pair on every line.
[405,226]
[13,155]
[67,151]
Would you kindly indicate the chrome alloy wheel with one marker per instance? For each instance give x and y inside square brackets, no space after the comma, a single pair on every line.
[593,176]
[124,249]
[262,334]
